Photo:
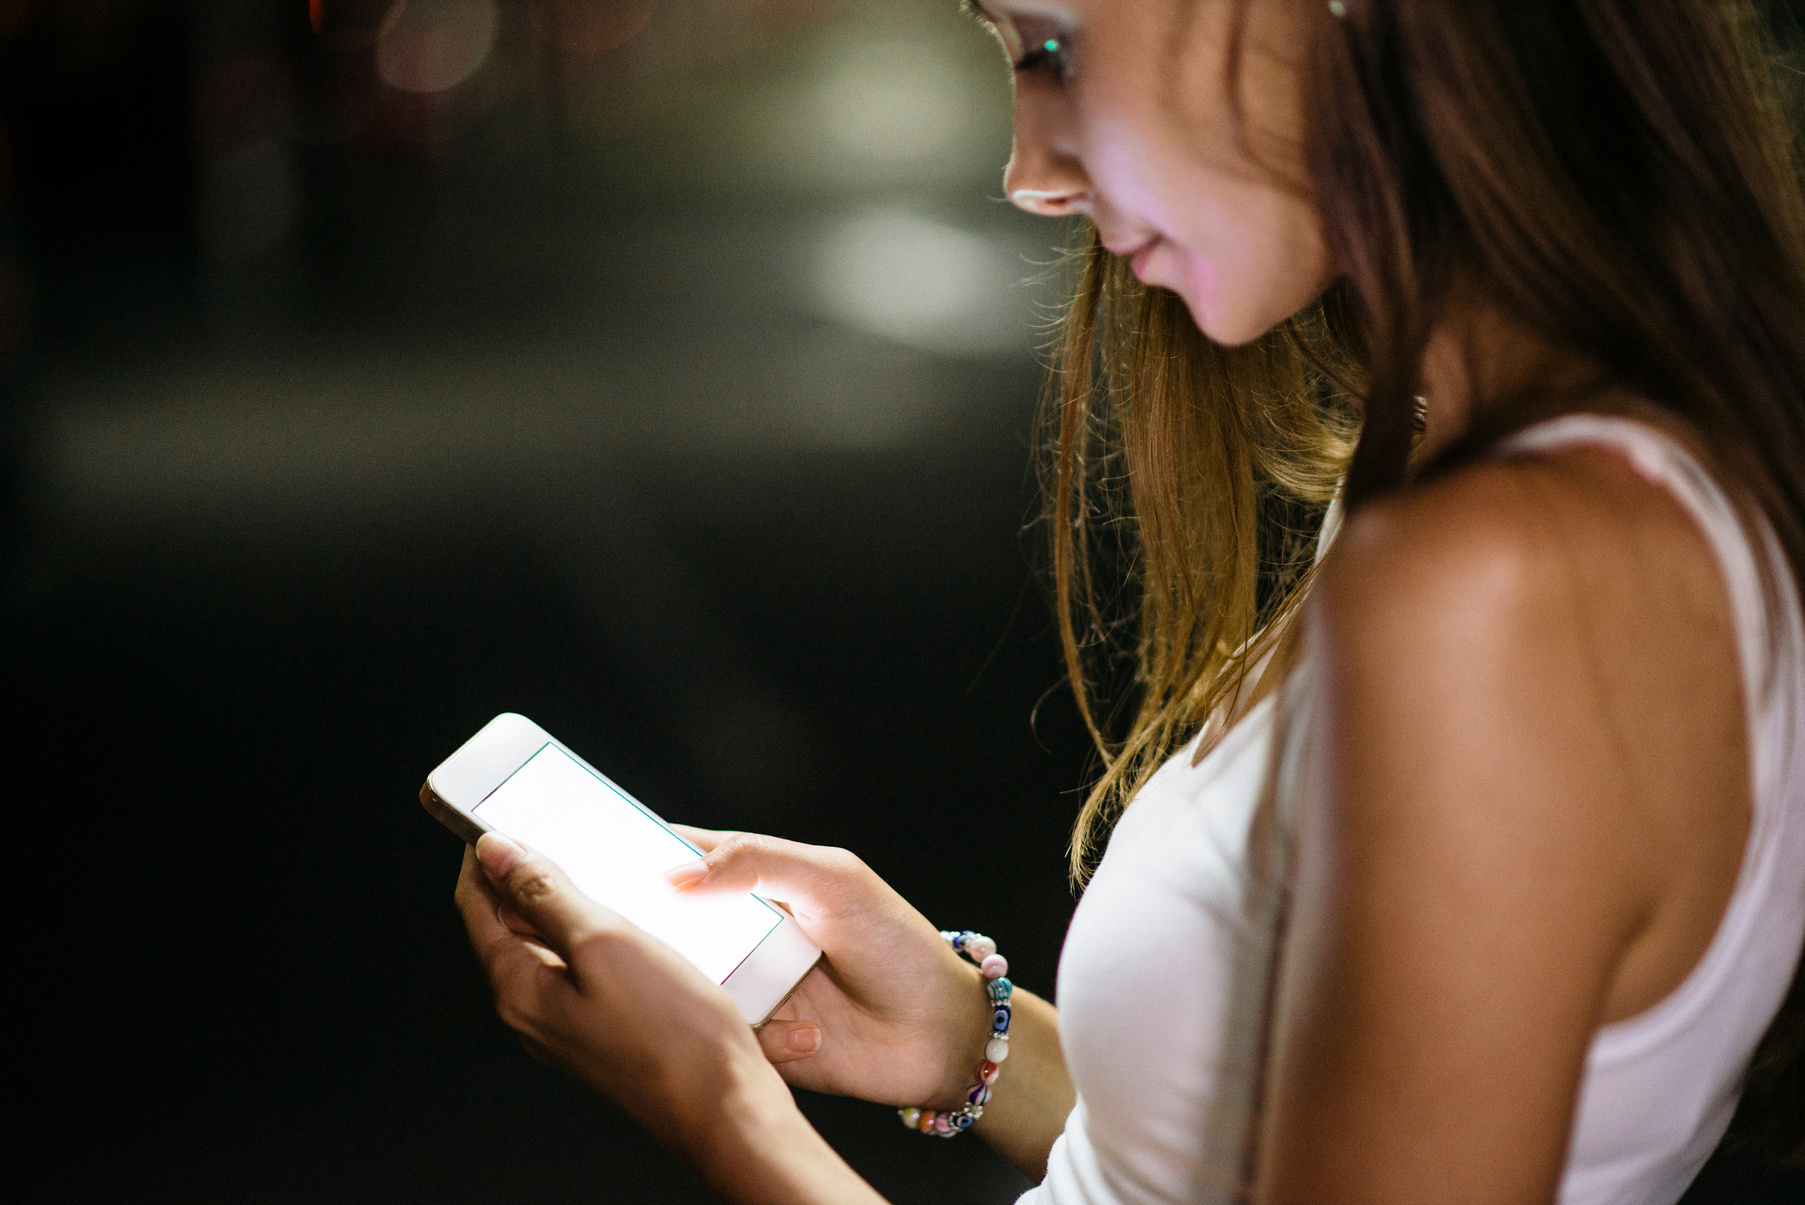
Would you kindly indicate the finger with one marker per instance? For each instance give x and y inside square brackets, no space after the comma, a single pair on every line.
[519,969]
[484,914]
[477,901]
[544,953]
[513,920]
[539,894]
[809,878]
[704,839]
[789,1041]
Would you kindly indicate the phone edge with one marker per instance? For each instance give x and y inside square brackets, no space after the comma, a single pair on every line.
[787,932]
[462,823]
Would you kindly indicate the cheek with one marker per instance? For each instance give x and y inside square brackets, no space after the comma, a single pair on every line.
[1243,252]
[1249,258]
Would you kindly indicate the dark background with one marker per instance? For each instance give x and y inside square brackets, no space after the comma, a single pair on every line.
[676,393]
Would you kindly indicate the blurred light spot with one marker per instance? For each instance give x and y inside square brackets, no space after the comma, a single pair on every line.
[923,283]
[316,15]
[892,101]
[433,45]
[249,199]
[591,26]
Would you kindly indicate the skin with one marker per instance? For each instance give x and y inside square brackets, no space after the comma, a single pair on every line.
[1526,809]
[1153,157]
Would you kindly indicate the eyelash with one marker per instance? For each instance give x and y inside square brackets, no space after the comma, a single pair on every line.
[1051,55]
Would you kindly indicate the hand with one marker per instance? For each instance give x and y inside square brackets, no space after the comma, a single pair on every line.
[606,1002]
[891,1014]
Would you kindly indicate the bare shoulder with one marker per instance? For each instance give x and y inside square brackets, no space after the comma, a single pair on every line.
[1524,804]
[1534,662]
[1518,560]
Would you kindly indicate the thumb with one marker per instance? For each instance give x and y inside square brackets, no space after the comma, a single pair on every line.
[534,888]
[788,1041]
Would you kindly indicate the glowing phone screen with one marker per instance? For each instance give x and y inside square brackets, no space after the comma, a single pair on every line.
[616,853]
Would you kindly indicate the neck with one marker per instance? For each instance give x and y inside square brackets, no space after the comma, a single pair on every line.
[1478,355]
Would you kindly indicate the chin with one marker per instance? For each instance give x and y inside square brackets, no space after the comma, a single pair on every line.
[1227,328]
[1227,324]
[1232,320]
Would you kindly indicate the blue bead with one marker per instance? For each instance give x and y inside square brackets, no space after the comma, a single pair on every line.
[1000,987]
[999,1020]
[962,1121]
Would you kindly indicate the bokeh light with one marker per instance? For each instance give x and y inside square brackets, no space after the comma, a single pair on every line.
[890,100]
[923,283]
[435,45]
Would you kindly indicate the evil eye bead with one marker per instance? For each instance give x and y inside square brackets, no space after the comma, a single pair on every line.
[982,951]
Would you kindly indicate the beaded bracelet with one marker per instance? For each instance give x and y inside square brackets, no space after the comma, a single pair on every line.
[945,1124]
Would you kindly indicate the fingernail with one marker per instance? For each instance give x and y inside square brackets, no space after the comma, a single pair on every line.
[804,1039]
[498,854]
[686,875]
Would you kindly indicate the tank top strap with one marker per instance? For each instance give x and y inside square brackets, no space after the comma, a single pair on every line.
[1773,673]
[1662,460]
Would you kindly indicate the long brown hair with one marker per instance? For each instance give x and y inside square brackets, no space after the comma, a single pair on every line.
[1619,176]
[1184,479]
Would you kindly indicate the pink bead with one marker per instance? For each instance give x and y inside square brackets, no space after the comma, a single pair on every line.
[994,966]
[988,1072]
[980,948]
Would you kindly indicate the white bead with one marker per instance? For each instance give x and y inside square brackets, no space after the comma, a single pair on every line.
[911,1117]
[981,948]
[994,966]
[996,1050]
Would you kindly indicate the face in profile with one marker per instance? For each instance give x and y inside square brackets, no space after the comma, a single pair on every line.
[1178,126]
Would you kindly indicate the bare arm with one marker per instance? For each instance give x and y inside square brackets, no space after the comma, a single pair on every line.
[1522,821]
[1035,1094]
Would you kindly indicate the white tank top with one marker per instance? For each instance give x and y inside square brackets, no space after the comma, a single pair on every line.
[1163,977]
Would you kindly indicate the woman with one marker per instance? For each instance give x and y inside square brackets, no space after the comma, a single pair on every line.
[1466,863]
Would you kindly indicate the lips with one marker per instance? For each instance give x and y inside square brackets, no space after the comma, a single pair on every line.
[1137,253]
[1138,260]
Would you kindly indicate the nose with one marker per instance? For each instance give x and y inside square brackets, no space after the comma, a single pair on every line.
[1044,176]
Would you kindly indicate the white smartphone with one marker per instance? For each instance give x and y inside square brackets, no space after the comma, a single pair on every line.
[514,778]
